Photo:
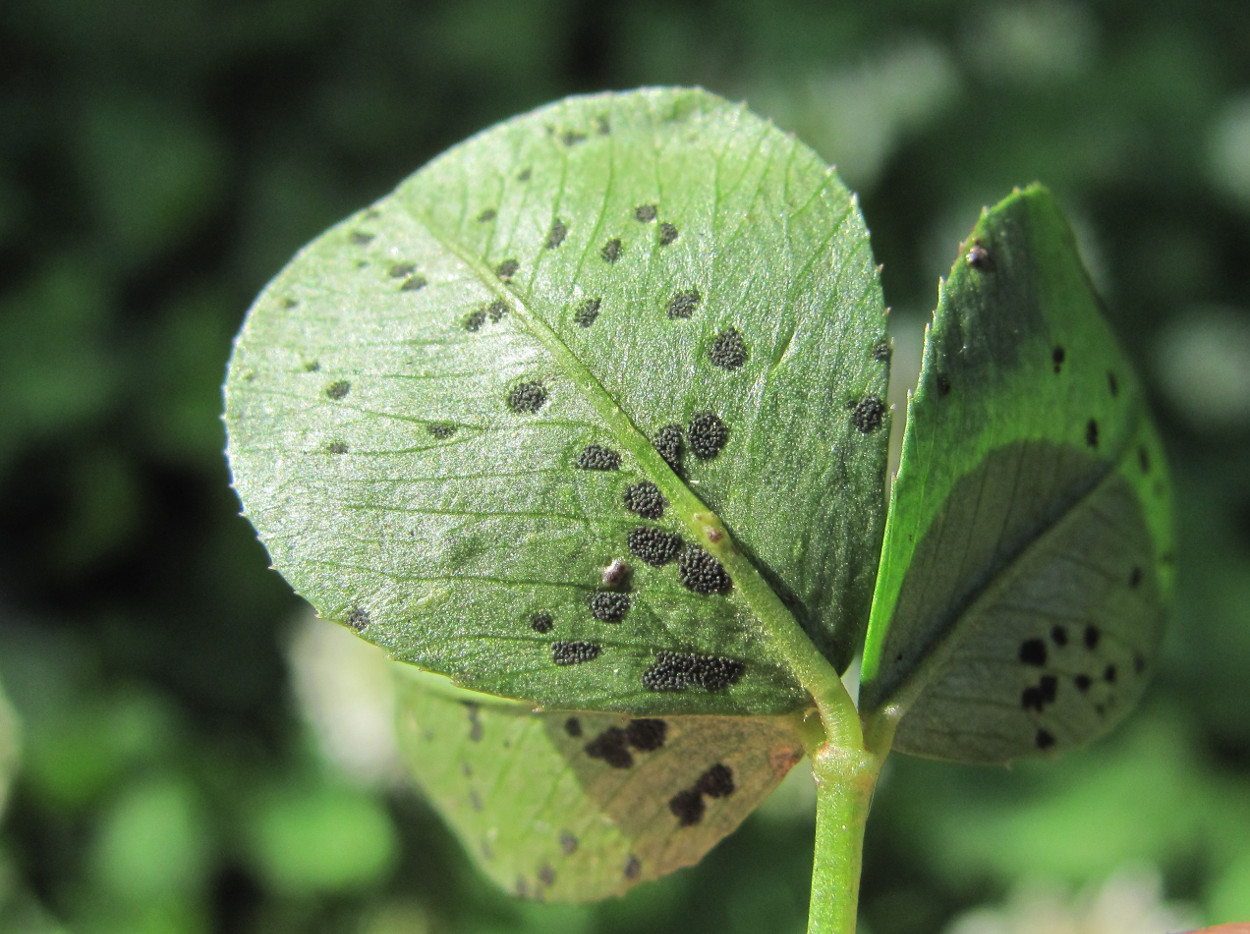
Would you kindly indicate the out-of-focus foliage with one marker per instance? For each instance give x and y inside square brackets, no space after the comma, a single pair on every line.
[159,161]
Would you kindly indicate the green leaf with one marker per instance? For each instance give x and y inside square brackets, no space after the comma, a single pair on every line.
[449,415]
[1028,556]
[579,806]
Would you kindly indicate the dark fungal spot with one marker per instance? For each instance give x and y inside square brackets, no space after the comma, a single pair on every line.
[707,434]
[1092,635]
[687,806]
[487,215]
[645,213]
[359,238]
[683,303]
[1113,384]
[1044,739]
[633,867]
[336,447]
[475,725]
[701,572]
[668,442]
[474,320]
[414,284]
[497,309]
[676,671]
[524,175]
[1143,458]
[1091,433]
[338,389]
[1109,674]
[652,545]
[978,257]
[610,746]
[1083,682]
[288,303]
[609,607]
[882,351]
[1134,577]
[1031,699]
[645,499]
[542,622]
[573,727]
[646,735]
[611,251]
[587,312]
[527,398]
[568,843]
[597,457]
[1049,686]
[1057,357]
[868,415]
[668,233]
[602,127]
[716,782]
[616,574]
[546,875]
[556,235]
[399,270]
[507,269]
[729,350]
[943,383]
[1059,635]
[1033,652]
[441,430]
[313,367]
[574,653]
[358,618]
[572,138]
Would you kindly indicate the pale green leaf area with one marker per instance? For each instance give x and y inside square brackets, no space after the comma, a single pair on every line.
[580,806]
[1028,554]
[440,411]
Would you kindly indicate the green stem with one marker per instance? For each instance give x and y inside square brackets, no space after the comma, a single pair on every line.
[845,779]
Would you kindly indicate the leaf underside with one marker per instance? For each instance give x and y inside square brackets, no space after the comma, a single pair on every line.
[500,422]
[580,806]
[1028,554]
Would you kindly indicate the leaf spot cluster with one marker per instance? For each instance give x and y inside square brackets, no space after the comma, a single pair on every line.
[688,805]
[869,414]
[597,457]
[728,350]
[616,746]
[574,653]
[611,251]
[683,303]
[707,434]
[668,442]
[645,499]
[668,233]
[608,606]
[701,572]
[358,619]
[676,671]
[587,312]
[645,213]
[527,398]
[654,546]
[507,269]
[440,430]
[555,236]
[338,389]
[542,622]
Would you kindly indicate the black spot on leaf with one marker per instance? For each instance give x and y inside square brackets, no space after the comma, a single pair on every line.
[1109,674]
[527,398]
[358,618]
[487,215]
[524,175]
[336,447]
[609,607]
[1044,739]
[701,572]
[312,367]
[611,251]
[676,671]
[1134,577]
[546,875]
[868,414]
[475,725]
[716,782]
[729,350]
[497,309]
[1059,635]
[707,434]
[652,545]
[587,312]
[1049,686]
[646,735]
[338,389]
[573,727]
[882,351]
[597,457]
[507,269]
[1057,357]
[943,383]
[441,430]
[683,303]
[645,213]
[1091,433]
[541,622]
[572,138]
[668,441]
[633,867]
[400,270]
[687,806]
[414,284]
[574,653]
[289,303]
[361,239]
[1083,683]
[668,233]
[556,235]
[602,126]
[1033,652]
[1092,635]
[474,320]
[645,499]
[1031,699]
[610,746]
[568,843]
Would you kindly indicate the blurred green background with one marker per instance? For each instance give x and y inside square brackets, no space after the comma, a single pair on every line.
[195,757]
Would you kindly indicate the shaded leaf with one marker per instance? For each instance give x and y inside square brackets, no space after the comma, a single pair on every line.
[1028,553]
[579,806]
[442,412]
